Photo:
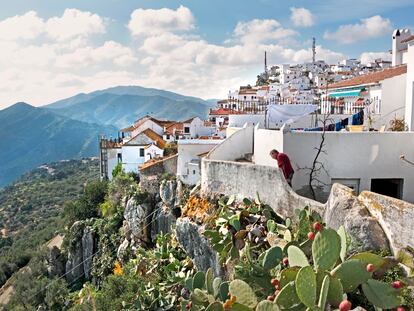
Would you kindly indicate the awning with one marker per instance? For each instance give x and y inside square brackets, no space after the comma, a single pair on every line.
[350,93]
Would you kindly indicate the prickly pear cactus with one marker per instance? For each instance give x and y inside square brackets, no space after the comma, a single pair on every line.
[243,292]
[336,292]
[326,249]
[324,293]
[215,306]
[344,243]
[209,281]
[296,257]
[199,280]
[288,275]
[216,286]
[288,298]
[272,257]
[370,258]
[266,305]
[306,286]
[381,295]
[351,273]
[199,297]
[224,291]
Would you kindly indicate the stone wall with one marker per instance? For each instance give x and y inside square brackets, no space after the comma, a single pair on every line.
[150,175]
[373,221]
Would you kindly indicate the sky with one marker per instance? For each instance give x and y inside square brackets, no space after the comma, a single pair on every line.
[50,50]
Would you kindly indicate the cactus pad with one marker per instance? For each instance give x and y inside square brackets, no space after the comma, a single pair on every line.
[215,306]
[243,292]
[288,297]
[370,258]
[224,291]
[326,249]
[324,293]
[344,243]
[297,258]
[199,297]
[288,275]
[381,295]
[266,305]
[199,280]
[306,286]
[209,281]
[336,292]
[272,257]
[216,286]
[351,273]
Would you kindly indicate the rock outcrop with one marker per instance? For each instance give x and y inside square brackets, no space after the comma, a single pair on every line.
[55,262]
[136,224]
[344,208]
[198,248]
[80,252]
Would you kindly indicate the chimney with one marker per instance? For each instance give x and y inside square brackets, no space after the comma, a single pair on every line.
[409,96]
[399,47]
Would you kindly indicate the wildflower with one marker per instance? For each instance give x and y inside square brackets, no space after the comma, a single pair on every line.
[118,269]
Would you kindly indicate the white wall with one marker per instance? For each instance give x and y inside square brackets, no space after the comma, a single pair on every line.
[234,147]
[131,159]
[264,142]
[112,160]
[357,155]
[409,104]
[148,125]
[189,150]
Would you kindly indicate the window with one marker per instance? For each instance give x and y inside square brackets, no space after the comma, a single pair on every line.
[119,157]
[141,152]
[168,136]
[194,172]
[349,182]
[186,129]
[392,187]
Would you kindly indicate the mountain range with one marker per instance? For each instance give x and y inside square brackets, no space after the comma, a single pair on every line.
[69,128]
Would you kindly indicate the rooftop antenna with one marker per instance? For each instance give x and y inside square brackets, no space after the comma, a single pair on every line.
[313,50]
[265,62]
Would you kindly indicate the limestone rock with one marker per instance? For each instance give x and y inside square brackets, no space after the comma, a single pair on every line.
[137,219]
[163,220]
[168,192]
[344,208]
[55,263]
[122,252]
[88,248]
[74,267]
[198,248]
[394,216]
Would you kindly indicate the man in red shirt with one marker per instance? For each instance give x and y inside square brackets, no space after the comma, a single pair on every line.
[284,164]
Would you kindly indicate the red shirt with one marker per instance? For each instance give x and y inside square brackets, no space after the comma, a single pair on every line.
[284,164]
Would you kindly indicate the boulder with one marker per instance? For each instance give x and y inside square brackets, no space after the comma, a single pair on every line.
[163,221]
[196,245]
[344,208]
[394,216]
[137,221]
[55,263]
[74,266]
[168,192]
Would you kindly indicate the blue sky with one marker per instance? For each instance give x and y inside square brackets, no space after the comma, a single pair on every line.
[54,49]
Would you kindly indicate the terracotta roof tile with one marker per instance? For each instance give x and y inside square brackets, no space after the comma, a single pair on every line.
[372,77]
[224,111]
[155,137]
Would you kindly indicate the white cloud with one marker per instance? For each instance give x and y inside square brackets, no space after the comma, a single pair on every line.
[368,28]
[302,17]
[74,23]
[368,57]
[261,30]
[27,26]
[144,22]
[41,66]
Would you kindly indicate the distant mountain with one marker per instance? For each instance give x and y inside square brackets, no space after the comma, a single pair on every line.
[31,136]
[122,105]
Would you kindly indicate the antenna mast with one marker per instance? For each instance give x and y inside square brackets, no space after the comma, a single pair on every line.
[313,50]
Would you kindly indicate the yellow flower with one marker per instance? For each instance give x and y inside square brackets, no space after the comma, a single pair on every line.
[118,269]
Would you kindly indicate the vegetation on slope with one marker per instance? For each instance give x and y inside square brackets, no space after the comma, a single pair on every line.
[31,208]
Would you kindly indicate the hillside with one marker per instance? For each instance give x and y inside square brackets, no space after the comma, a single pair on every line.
[120,106]
[32,136]
[30,208]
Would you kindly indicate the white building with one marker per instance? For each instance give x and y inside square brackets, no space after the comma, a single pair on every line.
[189,156]
[188,129]
[400,39]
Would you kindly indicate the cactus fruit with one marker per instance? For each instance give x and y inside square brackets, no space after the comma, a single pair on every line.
[272,257]
[323,296]
[396,284]
[285,261]
[317,226]
[381,295]
[345,305]
[243,292]
[351,273]
[275,283]
[270,298]
[326,249]
[288,297]
[306,286]
[400,309]
[311,236]
[297,257]
[199,280]
[370,267]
